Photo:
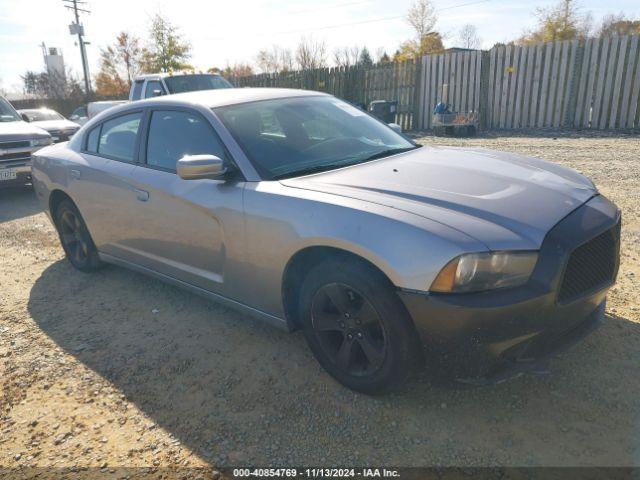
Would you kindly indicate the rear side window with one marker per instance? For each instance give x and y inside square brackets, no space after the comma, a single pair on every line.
[151,87]
[137,90]
[92,140]
[118,137]
[174,134]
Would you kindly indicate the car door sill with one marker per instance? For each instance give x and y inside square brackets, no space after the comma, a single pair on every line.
[254,312]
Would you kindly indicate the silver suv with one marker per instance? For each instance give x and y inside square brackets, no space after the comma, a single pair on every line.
[18,140]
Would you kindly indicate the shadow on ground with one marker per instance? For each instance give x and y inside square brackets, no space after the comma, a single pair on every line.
[18,203]
[237,392]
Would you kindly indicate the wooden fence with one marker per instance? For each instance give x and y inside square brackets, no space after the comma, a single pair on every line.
[453,78]
[565,84]
[356,84]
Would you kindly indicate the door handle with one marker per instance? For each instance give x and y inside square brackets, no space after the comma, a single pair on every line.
[141,195]
[75,174]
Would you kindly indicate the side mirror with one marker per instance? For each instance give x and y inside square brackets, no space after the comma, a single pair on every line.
[25,117]
[157,92]
[395,127]
[74,117]
[194,167]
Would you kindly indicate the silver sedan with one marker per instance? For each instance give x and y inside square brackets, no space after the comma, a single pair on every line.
[305,211]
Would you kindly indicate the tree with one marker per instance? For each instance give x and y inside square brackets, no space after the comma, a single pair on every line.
[167,51]
[382,56]
[237,70]
[619,25]
[563,21]
[422,17]
[55,85]
[274,60]
[119,64]
[346,56]
[311,54]
[365,58]
[468,37]
[130,54]
[411,49]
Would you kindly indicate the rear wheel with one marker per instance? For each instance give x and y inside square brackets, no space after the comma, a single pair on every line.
[357,327]
[75,238]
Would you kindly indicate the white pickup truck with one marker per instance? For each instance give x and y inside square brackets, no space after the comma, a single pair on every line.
[154,85]
[157,84]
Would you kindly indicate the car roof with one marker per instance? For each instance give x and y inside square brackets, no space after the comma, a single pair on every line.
[231,96]
[144,76]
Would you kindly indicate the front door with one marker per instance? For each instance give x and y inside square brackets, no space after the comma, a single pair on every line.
[187,229]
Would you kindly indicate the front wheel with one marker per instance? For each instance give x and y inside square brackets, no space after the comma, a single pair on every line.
[75,238]
[356,326]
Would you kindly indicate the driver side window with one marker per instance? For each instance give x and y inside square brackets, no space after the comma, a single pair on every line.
[174,134]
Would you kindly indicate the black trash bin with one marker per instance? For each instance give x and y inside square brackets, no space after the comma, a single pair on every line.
[385,110]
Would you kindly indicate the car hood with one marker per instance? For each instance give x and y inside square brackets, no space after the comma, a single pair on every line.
[55,125]
[20,130]
[504,200]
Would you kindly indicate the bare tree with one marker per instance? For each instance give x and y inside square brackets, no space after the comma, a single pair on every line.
[275,59]
[422,17]
[311,54]
[346,56]
[468,37]
[130,51]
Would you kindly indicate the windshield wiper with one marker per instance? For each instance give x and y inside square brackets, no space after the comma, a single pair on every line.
[390,151]
[332,166]
[308,171]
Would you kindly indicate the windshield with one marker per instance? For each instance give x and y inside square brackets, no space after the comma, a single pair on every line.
[296,136]
[192,83]
[7,112]
[41,115]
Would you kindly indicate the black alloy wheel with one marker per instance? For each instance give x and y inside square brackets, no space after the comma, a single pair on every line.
[75,238]
[357,327]
[348,329]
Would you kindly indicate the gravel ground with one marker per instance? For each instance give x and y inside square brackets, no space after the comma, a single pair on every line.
[116,369]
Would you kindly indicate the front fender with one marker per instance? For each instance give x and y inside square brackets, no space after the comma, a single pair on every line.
[280,222]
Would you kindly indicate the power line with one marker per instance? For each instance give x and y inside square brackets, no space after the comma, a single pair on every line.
[362,22]
[329,7]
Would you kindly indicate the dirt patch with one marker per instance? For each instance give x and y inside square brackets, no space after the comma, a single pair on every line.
[116,369]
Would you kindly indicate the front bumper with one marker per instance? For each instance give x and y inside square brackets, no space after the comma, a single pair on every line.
[23,174]
[484,334]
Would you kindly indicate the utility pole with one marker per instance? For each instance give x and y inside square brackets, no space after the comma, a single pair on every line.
[78,29]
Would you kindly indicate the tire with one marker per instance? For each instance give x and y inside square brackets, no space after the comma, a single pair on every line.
[357,327]
[75,237]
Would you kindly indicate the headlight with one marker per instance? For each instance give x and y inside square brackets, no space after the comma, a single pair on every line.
[41,142]
[474,272]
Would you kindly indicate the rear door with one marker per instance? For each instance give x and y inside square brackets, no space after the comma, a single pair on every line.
[191,230]
[101,183]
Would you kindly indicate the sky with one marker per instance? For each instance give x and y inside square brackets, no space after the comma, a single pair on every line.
[222,32]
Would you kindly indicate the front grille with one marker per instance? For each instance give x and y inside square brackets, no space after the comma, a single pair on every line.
[17,144]
[592,265]
[15,156]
